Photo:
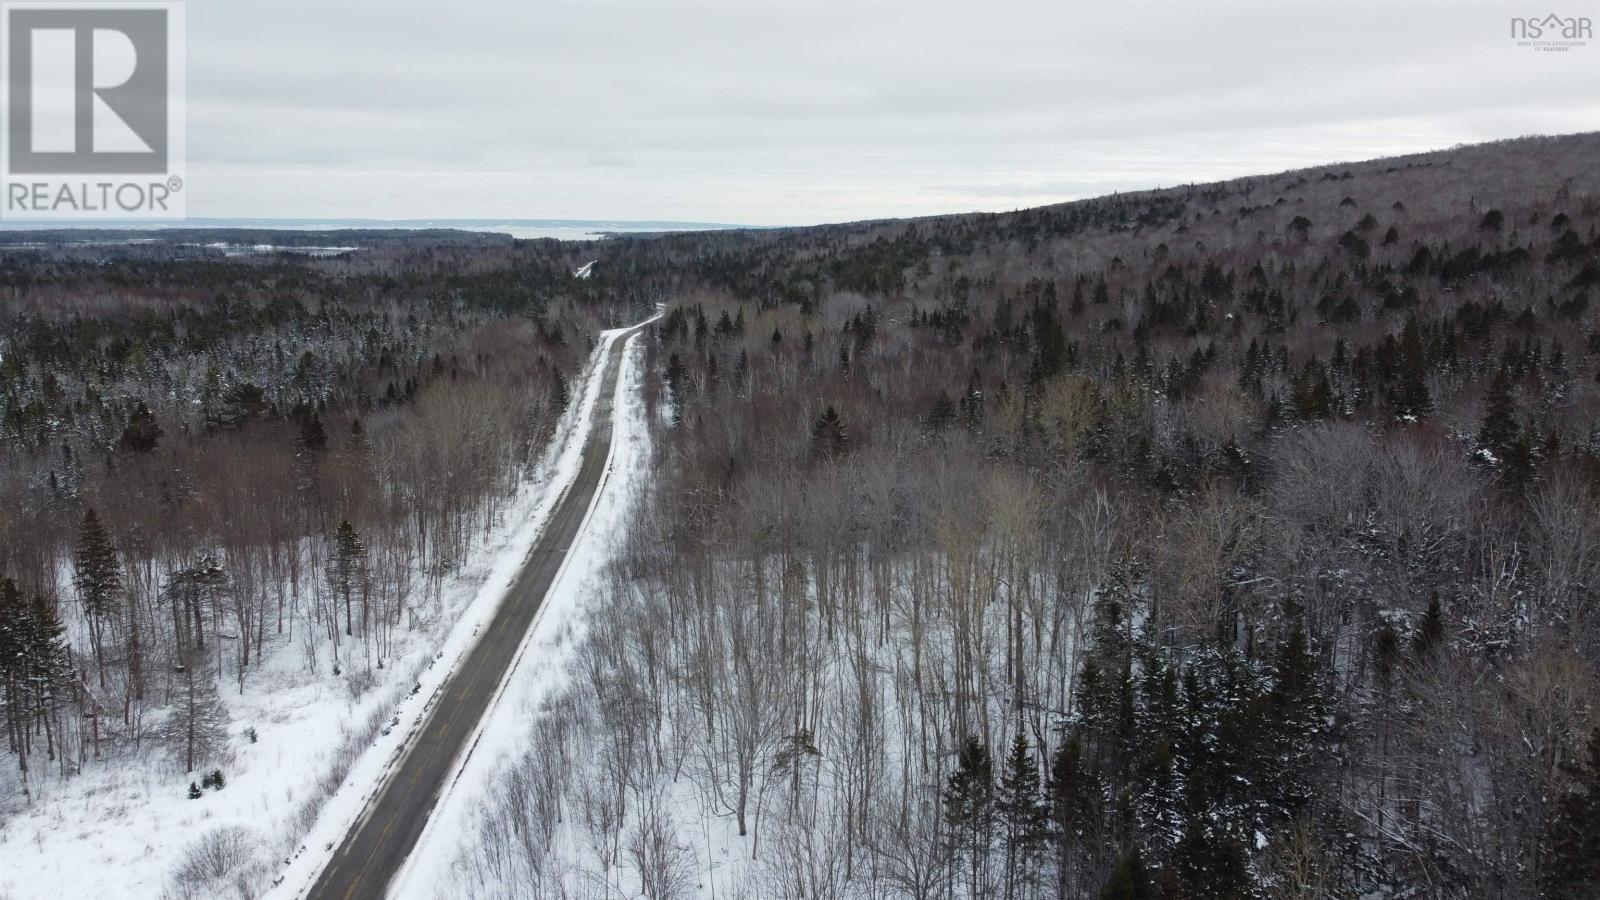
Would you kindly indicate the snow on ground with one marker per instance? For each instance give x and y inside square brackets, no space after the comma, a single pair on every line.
[122,826]
[346,807]
[542,666]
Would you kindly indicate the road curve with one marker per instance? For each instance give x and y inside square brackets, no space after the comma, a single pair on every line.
[373,852]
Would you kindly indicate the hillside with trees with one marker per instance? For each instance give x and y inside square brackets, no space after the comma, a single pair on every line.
[1232,540]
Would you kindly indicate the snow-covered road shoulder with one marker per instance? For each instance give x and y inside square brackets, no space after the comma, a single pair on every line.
[345,809]
[543,663]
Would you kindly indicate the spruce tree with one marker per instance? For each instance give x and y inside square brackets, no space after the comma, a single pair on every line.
[676,377]
[1022,813]
[969,810]
[1073,810]
[560,395]
[1571,845]
[197,727]
[347,571]
[1410,395]
[48,666]
[1050,344]
[1213,863]
[98,579]
[310,443]
[828,437]
[16,630]
[313,437]
[1298,715]
[1499,430]
[1311,393]
[142,434]
[1428,642]
[1129,880]
[942,414]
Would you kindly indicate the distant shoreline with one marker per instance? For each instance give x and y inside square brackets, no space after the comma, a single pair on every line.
[595,226]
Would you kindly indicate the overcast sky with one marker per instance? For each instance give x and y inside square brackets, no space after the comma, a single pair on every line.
[792,113]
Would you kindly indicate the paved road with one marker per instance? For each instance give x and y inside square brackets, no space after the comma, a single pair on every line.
[371,854]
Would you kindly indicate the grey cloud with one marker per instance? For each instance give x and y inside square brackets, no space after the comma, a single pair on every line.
[776,113]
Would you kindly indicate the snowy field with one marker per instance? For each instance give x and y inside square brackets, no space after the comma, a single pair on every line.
[305,751]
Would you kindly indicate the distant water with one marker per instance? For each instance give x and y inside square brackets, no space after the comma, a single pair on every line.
[560,229]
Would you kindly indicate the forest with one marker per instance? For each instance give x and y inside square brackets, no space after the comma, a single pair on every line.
[1231,540]
[1227,541]
[208,457]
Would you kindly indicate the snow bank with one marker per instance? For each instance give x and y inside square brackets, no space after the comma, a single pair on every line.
[543,663]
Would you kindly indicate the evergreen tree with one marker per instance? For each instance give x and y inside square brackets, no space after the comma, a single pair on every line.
[560,394]
[1428,642]
[942,414]
[1311,393]
[47,667]
[310,444]
[1074,812]
[16,633]
[1050,344]
[98,579]
[1129,880]
[313,437]
[1571,846]
[347,571]
[1297,719]
[969,811]
[1159,725]
[1023,813]
[1499,431]
[1212,862]
[197,728]
[828,437]
[1410,395]
[676,378]
[142,434]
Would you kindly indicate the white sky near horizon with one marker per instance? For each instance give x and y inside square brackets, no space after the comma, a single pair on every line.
[794,113]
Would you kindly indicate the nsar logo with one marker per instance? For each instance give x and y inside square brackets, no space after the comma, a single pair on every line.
[1552,32]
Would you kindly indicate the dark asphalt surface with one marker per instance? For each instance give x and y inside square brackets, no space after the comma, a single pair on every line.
[372,854]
